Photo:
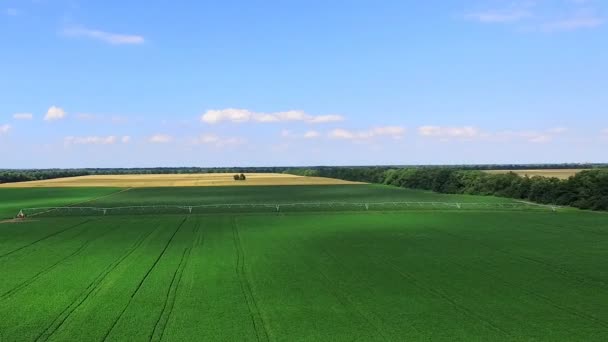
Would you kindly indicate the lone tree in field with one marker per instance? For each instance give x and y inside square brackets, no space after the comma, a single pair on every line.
[240,177]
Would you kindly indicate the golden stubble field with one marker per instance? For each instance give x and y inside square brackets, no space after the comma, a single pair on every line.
[557,173]
[171,180]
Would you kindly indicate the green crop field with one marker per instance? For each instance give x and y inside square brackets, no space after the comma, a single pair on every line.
[401,275]
[11,200]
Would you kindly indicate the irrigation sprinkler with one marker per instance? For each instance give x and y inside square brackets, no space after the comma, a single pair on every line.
[368,206]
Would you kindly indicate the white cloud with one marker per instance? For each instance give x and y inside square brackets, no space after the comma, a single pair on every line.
[395,132]
[55,113]
[215,140]
[23,116]
[230,114]
[91,140]
[125,139]
[107,37]
[244,115]
[4,129]
[160,139]
[340,133]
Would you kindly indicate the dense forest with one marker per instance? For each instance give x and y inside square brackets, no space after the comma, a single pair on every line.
[586,190]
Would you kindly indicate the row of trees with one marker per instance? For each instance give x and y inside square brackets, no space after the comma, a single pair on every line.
[586,190]
[12,176]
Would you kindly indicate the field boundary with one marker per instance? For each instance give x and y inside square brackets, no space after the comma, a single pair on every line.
[280,207]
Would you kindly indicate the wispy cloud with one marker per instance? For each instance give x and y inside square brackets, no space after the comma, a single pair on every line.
[13,12]
[449,132]
[306,135]
[395,132]
[542,16]
[574,23]
[23,116]
[160,139]
[499,16]
[86,116]
[95,140]
[107,37]
[4,129]
[467,133]
[244,115]
[55,113]
[217,141]
[311,135]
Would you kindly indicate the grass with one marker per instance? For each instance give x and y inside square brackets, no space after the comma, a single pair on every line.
[280,194]
[306,198]
[176,180]
[411,275]
[557,173]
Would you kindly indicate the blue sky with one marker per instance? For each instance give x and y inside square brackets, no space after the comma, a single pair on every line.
[258,83]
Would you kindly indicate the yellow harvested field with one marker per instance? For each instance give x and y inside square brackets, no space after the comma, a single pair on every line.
[557,173]
[168,180]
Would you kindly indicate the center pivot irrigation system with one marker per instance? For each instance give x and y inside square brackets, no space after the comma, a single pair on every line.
[274,207]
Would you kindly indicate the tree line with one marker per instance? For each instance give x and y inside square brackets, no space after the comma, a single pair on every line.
[586,190]
[24,175]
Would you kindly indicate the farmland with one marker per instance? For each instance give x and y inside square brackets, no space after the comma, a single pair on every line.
[11,200]
[557,173]
[176,180]
[441,275]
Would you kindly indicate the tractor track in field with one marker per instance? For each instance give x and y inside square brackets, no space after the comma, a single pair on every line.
[163,318]
[580,278]
[567,309]
[369,321]
[44,238]
[347,303]
[32,279]
[143,280]
[93,286]
[439,293]
[165,315]
[259,325]
[578,228]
